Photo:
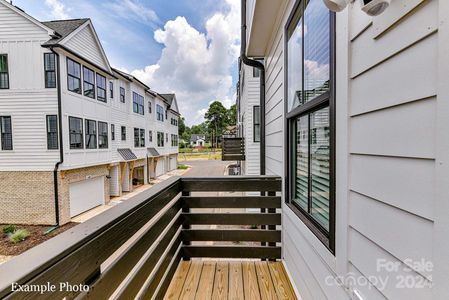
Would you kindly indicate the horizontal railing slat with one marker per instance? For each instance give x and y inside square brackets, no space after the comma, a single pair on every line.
[231,202]
[262,252]
[82,260]
[232,184]
[139,276]
[111,278]
[231,219]
[228,235]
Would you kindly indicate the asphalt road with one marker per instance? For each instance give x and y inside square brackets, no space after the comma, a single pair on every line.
[206,168]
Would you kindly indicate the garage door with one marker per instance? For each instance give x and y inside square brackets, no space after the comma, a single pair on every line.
[173,163]
[85,195]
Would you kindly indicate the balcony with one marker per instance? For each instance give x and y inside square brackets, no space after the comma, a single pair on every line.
[165,243]
[233,149]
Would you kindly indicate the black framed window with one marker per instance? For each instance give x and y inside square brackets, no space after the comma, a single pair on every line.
[73,76]
[122,94]
[149,107]
[52,132]
[160,113]
[112,132]
[310,122]
[50,70]
[76,133]
[91,134]
[150,136]
[160,139]
[166,138]
[142,137]
[101,88]
[174,140]
[256,124]
[6,132]
[4,73]
[111,89]
[89,82]
[123,133]
[103,138]
[166,114]
[138,102]
[139,137]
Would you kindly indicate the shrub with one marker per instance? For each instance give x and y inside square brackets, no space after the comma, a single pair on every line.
[19,235]
[183,167]
[9,229]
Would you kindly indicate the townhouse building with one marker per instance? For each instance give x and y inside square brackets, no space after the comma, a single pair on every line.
[356,123]
[74,131]
[248,118]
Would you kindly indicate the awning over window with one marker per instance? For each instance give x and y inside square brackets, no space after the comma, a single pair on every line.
[127,154]
[152,152]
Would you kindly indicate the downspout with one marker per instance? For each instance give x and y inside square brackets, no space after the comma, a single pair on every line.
[61,146]
[256,64]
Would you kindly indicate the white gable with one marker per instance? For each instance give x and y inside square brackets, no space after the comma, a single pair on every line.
[85,43]
[16,25]
[174,105]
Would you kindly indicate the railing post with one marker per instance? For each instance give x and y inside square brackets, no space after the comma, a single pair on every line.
[185,210]
[272,227]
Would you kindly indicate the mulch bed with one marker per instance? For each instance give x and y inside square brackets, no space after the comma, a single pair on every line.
[36,237]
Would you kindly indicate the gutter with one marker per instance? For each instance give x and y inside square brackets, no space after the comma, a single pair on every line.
[60,144]
[256,64]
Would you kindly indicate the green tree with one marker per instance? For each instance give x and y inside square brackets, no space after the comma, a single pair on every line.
[232,115]
[217,118]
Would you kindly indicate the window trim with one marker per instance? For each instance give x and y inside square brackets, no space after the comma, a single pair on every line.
[138,108]
[111,89]
[87,134]
[122,95]
[102,99]
[48,132]
[123,133]
[81,133]
[7,71]
[100,134]
[254,124]
[46,72]
[325,100]
[72,76]
[87,82]
[10,134]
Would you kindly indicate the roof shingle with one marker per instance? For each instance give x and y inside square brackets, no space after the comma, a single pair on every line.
[63,28]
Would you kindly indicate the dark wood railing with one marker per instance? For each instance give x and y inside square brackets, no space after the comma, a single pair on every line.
[133,249]
[233,149]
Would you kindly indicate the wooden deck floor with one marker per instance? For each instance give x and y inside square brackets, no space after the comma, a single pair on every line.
[209,279]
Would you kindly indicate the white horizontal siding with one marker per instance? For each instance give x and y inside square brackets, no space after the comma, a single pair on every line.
[85,44]
[16,27]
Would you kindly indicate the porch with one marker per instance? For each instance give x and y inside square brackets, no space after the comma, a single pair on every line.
[182,236]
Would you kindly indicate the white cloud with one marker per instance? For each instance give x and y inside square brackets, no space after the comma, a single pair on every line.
[58,9]
[197,66]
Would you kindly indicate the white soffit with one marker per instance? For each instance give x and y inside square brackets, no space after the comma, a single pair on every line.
[261,27]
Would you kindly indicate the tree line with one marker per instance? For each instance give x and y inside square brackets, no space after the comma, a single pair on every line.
[217,119]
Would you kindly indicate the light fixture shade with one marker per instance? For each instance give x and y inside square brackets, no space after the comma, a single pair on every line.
[336,5]
[375,7]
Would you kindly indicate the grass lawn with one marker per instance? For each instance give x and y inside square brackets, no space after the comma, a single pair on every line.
[203,156]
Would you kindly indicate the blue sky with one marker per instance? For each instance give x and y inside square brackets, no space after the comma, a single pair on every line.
[189,47]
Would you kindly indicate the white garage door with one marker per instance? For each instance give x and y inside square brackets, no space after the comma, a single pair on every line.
[173,165]
[85,195]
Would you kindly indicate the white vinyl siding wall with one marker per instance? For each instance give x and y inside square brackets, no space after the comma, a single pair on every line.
[27,100]
[387,125]
[250,98]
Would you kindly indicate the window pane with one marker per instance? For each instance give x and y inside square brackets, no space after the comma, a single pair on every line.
[301,193]
[320,158]
[49,62]
[316,49]
[3,63]
[295,67]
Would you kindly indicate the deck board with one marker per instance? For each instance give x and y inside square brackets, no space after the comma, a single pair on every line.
[221,282]
[230,279]
[251,286]
[206,284]
[266,287]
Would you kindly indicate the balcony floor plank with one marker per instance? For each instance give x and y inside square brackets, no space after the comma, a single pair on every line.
[220,279]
